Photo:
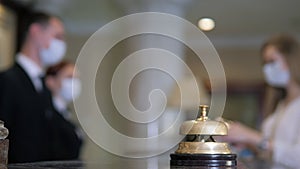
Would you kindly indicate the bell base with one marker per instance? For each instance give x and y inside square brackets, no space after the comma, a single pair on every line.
[204,160]
[203,148]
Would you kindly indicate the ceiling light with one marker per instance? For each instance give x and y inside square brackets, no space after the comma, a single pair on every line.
[206,24]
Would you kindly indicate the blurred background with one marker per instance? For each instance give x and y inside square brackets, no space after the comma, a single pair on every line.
[240,29]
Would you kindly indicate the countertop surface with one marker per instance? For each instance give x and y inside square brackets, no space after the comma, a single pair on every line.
[242,164]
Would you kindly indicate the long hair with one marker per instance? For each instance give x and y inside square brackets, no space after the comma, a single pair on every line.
[289,47]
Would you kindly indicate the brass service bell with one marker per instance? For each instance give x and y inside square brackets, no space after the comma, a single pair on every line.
[199,147]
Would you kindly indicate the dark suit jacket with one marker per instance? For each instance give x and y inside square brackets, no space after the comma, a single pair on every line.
[65,138]
[33,124]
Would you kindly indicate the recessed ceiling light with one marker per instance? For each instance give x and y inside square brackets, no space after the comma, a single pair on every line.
[206,24]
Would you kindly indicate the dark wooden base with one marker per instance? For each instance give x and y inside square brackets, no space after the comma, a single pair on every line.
[205,160]
[3,151]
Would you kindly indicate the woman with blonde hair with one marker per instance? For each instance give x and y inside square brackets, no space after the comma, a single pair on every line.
[280,135]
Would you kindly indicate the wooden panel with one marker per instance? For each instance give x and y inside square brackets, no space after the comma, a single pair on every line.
[7,37]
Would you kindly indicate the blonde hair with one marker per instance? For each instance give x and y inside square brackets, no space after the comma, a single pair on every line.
[289,47]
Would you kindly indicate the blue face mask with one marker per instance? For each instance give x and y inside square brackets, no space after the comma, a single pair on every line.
[54,53]
[70,89]
[275,75]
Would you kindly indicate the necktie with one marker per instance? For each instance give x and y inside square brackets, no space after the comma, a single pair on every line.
[38,83]
[43,84]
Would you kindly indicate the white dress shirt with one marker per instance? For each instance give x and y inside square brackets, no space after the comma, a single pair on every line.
[283,127]
[33,70]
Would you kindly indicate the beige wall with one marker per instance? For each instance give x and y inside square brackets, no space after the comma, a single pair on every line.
[242,66]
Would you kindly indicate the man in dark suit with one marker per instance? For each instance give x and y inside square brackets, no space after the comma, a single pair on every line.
[64,84]
[25,102]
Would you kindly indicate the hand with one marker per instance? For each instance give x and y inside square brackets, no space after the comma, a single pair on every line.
[239,133]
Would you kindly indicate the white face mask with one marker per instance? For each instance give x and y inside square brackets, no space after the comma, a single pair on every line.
[67,92]
[275,75]
[54,53]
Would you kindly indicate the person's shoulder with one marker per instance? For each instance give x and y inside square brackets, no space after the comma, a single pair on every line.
[10,75]
[11,71]
[295,105]
[7,80]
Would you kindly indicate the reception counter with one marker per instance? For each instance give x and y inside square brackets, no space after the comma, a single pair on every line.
[242,164]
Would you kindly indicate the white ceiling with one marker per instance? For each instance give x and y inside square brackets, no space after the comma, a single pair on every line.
[233,17]
[241,25]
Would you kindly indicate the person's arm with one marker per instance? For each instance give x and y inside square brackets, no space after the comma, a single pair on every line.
[6,102]
[283,153]
[239,133]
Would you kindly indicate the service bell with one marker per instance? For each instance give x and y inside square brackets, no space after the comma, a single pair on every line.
[199,147]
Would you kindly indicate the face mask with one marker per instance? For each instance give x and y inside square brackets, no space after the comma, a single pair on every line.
[275,75]
[54,53]
[67,92]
